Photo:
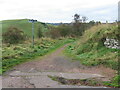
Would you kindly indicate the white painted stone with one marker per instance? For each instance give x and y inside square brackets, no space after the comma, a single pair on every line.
[112,43]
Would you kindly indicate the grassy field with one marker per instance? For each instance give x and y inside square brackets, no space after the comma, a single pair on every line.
[24,25]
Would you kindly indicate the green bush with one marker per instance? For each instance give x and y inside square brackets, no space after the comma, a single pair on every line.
[13,35]
[40,33]
[55,33]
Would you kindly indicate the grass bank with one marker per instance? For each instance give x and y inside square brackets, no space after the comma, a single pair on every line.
[90,49]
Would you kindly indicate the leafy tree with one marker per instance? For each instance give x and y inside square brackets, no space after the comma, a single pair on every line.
[84,19]
[92,22]
[98,23]
[77,18]
[79,24]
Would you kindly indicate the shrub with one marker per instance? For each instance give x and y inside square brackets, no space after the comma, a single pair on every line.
[13,35]
[40,33]
[55,33]
[65,30]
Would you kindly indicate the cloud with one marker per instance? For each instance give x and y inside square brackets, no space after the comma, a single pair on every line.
[57,10]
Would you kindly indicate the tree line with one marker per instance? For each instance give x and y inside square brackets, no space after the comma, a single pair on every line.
[74,29]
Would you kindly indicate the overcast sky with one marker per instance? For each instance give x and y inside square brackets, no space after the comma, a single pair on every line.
[59,10]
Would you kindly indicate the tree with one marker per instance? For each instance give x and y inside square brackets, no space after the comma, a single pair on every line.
[98,23]
[77,18]
[84,19]
[77,25]
[92,22]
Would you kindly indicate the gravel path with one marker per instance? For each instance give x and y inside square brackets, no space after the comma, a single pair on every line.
[34,74]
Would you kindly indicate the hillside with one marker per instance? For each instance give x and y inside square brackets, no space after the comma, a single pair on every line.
[24,25]
[90,49]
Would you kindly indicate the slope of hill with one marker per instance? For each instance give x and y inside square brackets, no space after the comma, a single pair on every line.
[90,49]
[24,25]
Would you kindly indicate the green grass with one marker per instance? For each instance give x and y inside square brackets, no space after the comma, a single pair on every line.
[89,49]
[115,82]
[24,25]
[17,54]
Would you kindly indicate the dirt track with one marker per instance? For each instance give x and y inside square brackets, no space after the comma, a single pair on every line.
[56,62]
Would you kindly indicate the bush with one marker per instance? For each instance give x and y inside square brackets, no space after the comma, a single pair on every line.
[13,35]
[62,30]
[40,33]
[65,30]
[55,33]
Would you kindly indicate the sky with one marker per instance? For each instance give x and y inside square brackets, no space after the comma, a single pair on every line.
[56,11]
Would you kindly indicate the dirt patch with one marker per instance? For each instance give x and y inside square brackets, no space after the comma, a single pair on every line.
[105,71]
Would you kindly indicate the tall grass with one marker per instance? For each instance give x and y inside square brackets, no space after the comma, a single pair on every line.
[90,50]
